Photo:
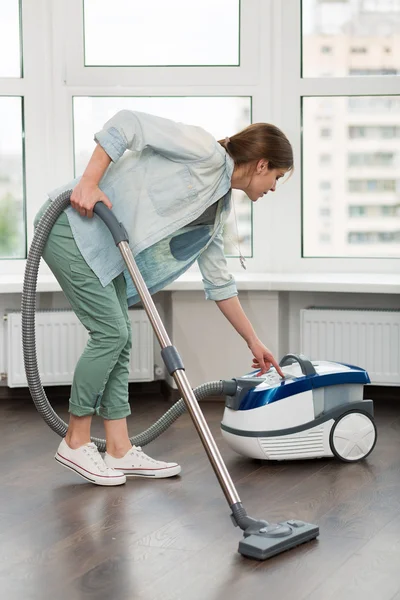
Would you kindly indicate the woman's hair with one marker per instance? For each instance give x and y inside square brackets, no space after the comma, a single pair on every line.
[257,141]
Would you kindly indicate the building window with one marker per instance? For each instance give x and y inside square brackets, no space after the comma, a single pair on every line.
[373,103]
[325,159]
[371,159]
[357,211]
[326,49]
[325,212]
[371,185]
[325,185]
[325,238]
[374,237]
[358,50]
[325,132]
[374,131]
[374,72]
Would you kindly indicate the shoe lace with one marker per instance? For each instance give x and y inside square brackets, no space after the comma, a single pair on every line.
[137,449]
[94,455]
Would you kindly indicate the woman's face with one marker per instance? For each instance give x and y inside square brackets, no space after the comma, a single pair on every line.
[262,181]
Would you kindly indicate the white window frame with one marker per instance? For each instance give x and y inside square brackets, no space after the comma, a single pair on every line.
[71,14]
[35,88]
[73,79]
[269,72]
[290,88]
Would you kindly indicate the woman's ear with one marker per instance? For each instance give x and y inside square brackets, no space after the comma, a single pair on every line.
[262,166]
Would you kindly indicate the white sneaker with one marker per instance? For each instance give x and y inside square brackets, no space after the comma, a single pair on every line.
[87,462]
[137,463]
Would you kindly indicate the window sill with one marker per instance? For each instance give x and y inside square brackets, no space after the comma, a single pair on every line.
[302,282]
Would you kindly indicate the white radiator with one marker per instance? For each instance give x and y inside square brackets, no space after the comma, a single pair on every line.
[60,340]
[369,339]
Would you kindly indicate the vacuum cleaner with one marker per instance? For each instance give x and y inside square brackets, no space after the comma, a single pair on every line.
[317,411]
[261,539]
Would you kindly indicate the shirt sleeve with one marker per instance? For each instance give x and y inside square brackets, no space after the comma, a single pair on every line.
[218,283]
[132,130]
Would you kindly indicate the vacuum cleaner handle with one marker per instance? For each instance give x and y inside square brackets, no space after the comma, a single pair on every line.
[306,365]
[116,228]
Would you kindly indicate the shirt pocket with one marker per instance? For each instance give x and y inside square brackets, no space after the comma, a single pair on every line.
[171,189]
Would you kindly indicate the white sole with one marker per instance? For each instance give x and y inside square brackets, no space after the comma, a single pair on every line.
[155,474]
[104,481]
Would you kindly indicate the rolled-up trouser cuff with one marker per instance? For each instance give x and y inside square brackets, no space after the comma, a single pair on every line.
[80,411]
[113,414]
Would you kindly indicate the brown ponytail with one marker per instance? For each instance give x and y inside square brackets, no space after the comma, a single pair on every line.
[257,141]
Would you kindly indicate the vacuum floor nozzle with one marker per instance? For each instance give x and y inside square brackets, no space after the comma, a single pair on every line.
[266,544]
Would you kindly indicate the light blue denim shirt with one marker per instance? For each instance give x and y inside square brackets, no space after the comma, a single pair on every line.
[162,177]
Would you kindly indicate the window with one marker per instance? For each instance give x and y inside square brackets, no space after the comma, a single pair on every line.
[374,237]
[365,165]
[371,159]
[361,72]
[12,182]
[220,116]
[371,104]
[325,212]
[10,39]
[325,238]
[325,185]
[374,210]
[346,23]
[371,185]
[326,49]
[12,210]
[325,159]
[374,131]
[357,211]
[123,32]
[325,132]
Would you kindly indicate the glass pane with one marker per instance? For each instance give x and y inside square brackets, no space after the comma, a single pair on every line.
[221,116]
[126,33]
[10,51]
[12,212]
[350,37]
[351,201]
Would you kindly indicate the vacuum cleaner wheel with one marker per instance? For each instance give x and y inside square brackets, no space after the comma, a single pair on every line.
[353,436]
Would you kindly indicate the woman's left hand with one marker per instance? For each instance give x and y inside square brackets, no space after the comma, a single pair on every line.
[263,358]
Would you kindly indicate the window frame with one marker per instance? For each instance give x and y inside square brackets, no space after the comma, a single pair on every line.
[287,36]
[34,87]
[54,76]
[243,80]
[270,72]
[76,74]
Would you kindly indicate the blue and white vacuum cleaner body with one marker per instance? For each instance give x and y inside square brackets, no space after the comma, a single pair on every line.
[317,411]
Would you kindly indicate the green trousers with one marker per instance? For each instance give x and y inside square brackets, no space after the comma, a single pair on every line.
[100,383]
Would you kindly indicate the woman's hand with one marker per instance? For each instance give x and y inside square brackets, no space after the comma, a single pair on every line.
[263,358]
[85,195]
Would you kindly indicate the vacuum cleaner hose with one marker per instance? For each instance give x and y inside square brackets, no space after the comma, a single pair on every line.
[28,309]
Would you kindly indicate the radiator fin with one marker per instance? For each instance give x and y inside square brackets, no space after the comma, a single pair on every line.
[60,340]
[366,338]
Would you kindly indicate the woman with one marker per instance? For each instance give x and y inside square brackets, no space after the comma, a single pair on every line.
[170,185]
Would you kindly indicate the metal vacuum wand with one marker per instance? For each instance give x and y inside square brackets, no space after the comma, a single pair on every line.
[262,539]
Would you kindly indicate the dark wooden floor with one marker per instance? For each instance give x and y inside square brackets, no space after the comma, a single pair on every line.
[64,539]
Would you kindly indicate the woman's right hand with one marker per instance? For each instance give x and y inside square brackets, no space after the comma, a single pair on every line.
[85,195]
